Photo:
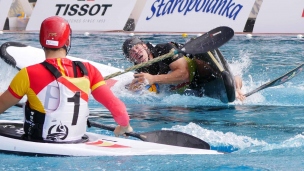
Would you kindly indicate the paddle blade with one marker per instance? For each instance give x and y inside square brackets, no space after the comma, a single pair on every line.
[284,78]
[209,41]
[175,138]
[163,137]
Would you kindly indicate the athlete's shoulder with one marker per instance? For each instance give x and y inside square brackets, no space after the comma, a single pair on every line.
[160,46]
[23,72]
[165,46]
[89,66]
[93,72]
[34,68]
[161,49]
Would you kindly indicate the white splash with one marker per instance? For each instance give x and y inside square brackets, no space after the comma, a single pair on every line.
[217,138]
[295,142]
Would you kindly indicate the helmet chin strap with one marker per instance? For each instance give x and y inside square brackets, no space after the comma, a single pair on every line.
[67,48]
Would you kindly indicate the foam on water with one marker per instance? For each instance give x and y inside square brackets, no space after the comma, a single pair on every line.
[218,139]
[294,142]
[231,142]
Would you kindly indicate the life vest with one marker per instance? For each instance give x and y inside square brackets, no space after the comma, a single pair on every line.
[68,121]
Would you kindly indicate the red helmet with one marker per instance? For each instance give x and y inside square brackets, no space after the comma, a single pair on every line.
[55,33]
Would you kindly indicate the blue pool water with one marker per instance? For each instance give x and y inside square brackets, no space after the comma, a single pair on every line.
[266,132]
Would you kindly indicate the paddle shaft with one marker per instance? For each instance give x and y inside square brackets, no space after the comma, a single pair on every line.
[165,56]
[282,79]
[110,128]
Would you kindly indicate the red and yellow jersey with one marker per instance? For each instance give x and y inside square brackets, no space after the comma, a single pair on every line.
[32,80]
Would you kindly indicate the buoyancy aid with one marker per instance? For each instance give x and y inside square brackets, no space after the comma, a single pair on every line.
[68,121]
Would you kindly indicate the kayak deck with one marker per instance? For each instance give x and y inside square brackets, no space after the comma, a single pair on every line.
[97,145]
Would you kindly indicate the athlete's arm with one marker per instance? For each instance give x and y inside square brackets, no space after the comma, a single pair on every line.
[179,74]
[7,100]
[15,92]
[104,95]
[238,85]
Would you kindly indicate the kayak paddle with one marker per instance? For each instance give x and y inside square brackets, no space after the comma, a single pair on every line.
[204,43]
[167,137]
[282,79]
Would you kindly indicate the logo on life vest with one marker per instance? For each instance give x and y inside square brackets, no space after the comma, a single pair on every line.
[57,132]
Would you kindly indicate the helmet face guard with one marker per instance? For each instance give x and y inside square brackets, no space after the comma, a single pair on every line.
[55,33]
[128,44]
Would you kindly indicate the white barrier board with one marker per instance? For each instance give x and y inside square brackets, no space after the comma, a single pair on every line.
[4,8]
[193,15]
[89,15]
[280,16]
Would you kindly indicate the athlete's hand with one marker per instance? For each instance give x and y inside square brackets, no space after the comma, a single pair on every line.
[238,85]
[121,130]
[136,86]
[239,95]
[139,82]
[144,78]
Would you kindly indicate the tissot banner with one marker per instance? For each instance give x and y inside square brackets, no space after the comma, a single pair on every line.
[4,8]
[193,15]
[95,15]
[280,16]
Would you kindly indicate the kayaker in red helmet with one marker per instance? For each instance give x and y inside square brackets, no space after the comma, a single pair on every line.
[58,90]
